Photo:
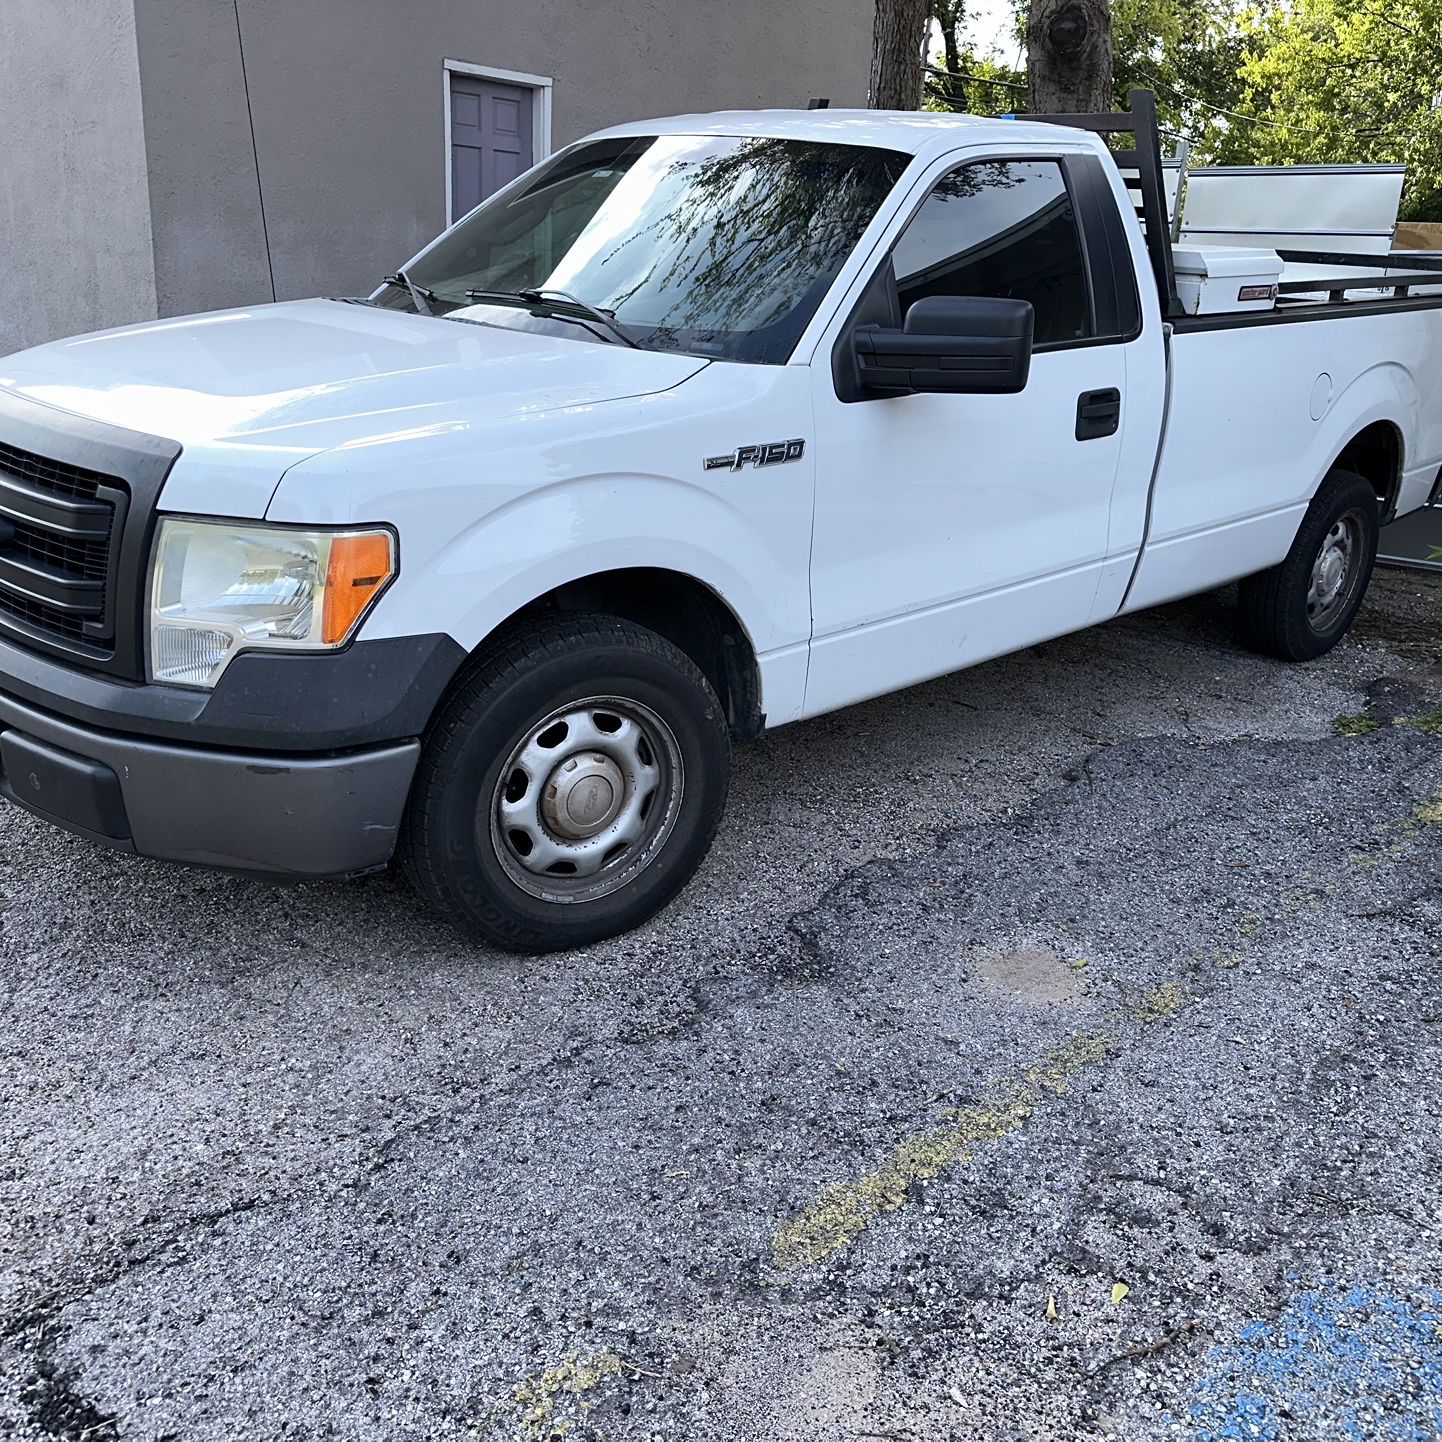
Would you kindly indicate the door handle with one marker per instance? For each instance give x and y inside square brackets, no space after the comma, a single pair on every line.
[1098,414]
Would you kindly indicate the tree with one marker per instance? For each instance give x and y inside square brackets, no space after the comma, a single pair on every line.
[1190,52]
[1069,55]
[1348,81]
[898,38]
[949,16]
[960,79]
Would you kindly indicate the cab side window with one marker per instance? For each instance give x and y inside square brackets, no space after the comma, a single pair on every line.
[1002,228]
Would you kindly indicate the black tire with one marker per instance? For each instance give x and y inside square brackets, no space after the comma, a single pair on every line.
[458,847]
[1279,612]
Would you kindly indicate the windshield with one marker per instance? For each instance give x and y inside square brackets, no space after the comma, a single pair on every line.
[719,246]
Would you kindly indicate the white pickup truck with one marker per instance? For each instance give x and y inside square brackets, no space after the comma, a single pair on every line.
[703,425]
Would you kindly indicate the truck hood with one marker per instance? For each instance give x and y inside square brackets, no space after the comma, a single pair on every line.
[249,393]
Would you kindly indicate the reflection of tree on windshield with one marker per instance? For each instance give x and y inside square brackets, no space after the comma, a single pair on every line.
[1022,245]
[723,245]
[755,228]
[980,175]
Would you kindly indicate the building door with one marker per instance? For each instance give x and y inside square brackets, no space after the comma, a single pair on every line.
[492,138]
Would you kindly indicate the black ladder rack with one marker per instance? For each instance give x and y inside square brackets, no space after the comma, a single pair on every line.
[1140,122]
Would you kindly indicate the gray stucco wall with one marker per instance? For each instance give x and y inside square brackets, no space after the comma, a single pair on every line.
[75,244]
[349,121]
[131,184]
[204,198]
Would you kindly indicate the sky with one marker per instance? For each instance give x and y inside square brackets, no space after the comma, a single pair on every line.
[989,24]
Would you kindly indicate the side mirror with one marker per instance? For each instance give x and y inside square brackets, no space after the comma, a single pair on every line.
[956,345]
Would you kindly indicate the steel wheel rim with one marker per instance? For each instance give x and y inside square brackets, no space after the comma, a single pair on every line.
[1335,572]
[586,799]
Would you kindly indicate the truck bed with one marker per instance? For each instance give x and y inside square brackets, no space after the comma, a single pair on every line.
[1319,284]
[1250,419]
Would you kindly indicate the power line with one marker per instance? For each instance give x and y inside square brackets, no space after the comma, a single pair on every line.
[1170,89]
[1159,85]
[975,79]
[1238,115]
[1222,109]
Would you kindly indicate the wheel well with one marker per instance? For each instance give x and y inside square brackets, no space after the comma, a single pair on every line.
[688,614]
[1376,454]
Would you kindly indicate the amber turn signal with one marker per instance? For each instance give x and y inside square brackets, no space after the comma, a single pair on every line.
[358,569]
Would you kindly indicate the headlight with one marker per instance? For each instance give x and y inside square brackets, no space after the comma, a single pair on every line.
[218,589]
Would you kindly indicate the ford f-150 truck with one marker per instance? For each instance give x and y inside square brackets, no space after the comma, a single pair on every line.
[701,426]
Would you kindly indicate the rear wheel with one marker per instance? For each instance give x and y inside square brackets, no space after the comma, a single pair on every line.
[1300,609]
[571,786]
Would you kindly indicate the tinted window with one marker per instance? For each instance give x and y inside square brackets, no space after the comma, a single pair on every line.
[1000,228]
[716,245]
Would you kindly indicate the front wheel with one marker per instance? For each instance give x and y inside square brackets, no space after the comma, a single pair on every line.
[571,786]
[1300,609]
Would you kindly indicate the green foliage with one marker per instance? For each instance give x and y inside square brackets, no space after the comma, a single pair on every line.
[974,83]
[1190,52]
[1175,47]
[1356,81]
[1430,721]
[989,86]
[1364,725]
[1360,725]
[1342,81]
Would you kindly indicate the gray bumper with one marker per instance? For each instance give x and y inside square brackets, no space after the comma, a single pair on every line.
[287,816]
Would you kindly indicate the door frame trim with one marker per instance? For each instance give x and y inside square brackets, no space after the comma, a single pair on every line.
[540,112]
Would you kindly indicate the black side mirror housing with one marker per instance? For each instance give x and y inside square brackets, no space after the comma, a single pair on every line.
[954,345]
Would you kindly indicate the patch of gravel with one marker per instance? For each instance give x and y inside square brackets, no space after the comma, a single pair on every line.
[305,1163]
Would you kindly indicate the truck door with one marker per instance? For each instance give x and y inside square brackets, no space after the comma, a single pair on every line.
[953,528]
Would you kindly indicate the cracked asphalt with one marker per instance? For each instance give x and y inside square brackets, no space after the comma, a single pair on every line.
[1047,1052]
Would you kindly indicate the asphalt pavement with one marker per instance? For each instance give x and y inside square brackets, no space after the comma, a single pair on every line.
[1049,1052]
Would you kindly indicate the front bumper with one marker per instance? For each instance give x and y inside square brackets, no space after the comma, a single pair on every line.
[296,816]
[295,764]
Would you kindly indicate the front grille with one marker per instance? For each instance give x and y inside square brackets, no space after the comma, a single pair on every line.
[57,524]
[89,559]
[40,617]
[51,475]
[78,500]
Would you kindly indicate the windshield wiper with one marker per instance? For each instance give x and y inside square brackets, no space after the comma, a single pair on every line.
[421,298]
[534,295]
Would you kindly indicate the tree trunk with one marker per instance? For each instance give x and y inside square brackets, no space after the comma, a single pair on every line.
[897,38]
[1069,56]
[955,86]
[947,16]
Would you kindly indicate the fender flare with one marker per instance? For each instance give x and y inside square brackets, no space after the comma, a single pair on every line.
[1383,394]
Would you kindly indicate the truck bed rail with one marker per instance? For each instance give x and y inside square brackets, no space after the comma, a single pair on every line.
[1296,297]
[1403,270]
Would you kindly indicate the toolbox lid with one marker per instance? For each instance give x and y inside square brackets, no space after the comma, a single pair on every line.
[1226,262]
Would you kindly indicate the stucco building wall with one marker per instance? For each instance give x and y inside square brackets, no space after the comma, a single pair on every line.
[184,157]
[75,239]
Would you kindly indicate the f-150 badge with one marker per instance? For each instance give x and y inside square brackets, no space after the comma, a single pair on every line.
[774,453]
